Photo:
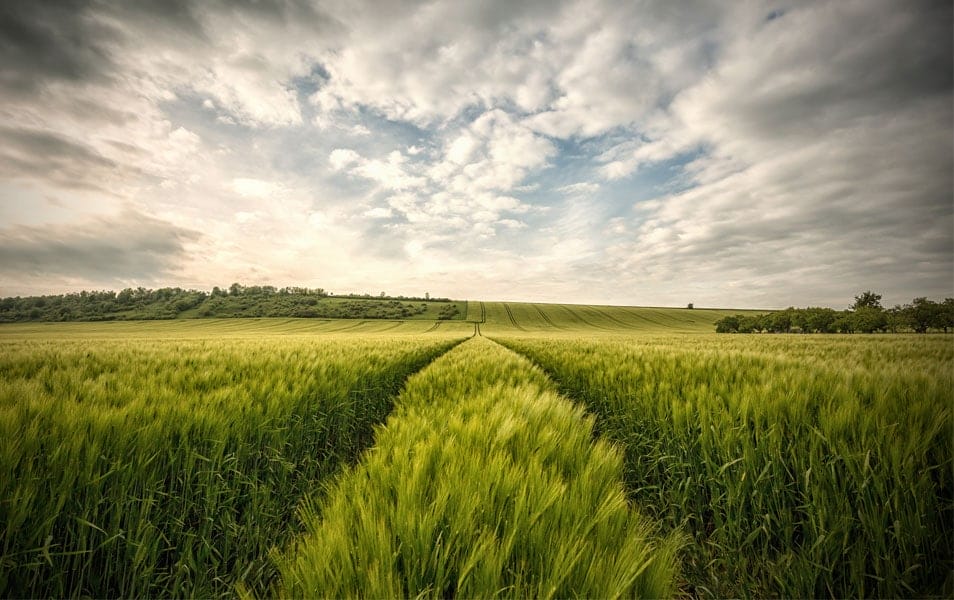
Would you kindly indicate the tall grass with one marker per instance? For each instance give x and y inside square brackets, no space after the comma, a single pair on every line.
[801,467]
[483,483]
[170,468]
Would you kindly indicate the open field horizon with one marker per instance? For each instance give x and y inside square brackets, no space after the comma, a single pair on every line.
[499,454]
[492,316]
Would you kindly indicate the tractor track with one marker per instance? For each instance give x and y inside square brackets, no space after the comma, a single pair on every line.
[546,317]
[513,321]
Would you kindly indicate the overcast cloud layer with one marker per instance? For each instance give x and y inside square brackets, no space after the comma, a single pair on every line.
[740,154]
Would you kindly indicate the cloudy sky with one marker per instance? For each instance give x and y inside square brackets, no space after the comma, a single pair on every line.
[738,154]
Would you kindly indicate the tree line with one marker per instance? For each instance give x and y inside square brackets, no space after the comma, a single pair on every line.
[865,315]
[235,300]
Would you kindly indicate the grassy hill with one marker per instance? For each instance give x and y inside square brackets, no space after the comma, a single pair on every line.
[489,318]
[513,317]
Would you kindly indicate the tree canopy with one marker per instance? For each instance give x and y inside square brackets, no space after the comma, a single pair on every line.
[236,300]
[866,315]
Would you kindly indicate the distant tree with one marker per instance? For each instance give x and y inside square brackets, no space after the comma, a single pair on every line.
[869,319]
[689,306]
[728,324]
[895,319]
[922,314]
[780,321]
[819,320]
[946,313]
[867,299]
[749,324]
[844,323]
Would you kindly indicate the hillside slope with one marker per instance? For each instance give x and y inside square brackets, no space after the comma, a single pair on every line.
[515,317]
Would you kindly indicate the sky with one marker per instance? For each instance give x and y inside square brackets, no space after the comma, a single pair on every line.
[732,154]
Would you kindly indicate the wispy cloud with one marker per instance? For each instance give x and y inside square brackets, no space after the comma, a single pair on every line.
[130,248]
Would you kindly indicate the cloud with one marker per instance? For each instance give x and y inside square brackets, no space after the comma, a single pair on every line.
[577,68]
[822,162]
[584,188]
[462,188]
[255,188]
[741,153]
[35,153]
[343,157]
[379,212]
[58,41]
[129,247]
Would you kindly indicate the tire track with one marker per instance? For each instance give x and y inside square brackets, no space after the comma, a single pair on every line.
[510,314]
[546,317]
[583,320]
[604,313]
[346,327]
[640,315]
[394,325]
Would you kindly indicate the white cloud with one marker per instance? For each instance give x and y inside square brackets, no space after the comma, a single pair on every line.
[341,158]
[244,217]
[379,212]
[585,188]
[255,188]
[462,149]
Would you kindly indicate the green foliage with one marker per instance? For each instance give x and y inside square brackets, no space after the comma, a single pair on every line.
[139,303]
[800,466]
[865,316]
[867,299]
[483,483]
[449,311]
[237,301]
[165,468]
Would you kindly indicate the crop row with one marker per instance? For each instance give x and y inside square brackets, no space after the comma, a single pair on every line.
[171,468]
[799,467]
[484,482]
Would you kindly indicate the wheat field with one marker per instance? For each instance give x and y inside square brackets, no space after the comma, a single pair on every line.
[537,450]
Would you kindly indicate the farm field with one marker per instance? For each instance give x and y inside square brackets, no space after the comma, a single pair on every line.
[579,319]
[171,466]
[800,466]
[540,450]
